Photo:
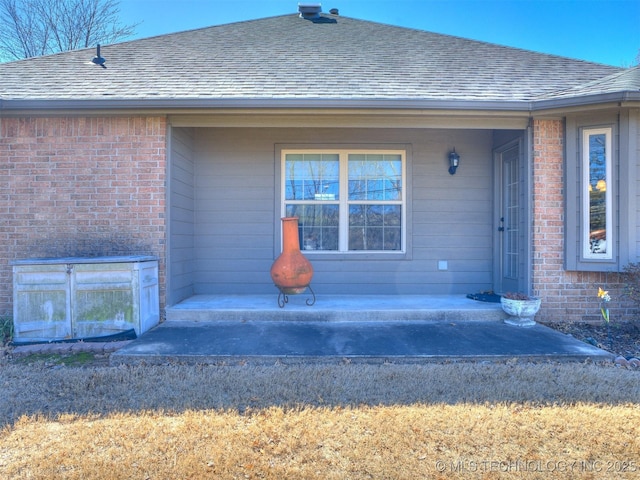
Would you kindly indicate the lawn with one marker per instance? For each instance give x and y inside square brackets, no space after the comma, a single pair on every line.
[469,420]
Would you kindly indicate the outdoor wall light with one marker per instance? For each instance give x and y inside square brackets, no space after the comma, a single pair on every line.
[454,161]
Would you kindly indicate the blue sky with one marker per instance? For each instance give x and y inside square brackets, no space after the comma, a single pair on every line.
[603,31]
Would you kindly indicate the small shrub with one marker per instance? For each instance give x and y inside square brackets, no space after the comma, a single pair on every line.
[631,277]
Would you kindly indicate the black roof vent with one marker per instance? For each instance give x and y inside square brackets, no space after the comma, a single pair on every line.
[98,60]
[310,11]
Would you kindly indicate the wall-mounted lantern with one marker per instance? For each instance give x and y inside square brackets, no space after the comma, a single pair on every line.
[454,161]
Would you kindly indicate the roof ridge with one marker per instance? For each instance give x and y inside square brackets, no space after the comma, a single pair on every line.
[141,39]
[192,30]
[296,15]
[480,42]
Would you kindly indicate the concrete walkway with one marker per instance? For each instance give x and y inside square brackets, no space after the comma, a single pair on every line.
[233,342]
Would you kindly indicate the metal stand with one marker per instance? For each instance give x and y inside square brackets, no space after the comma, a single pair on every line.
[283,298]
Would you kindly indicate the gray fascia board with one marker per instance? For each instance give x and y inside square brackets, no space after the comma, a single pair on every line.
[586,100]
[15,105]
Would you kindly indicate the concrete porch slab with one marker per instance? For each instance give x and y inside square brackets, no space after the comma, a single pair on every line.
[334,308]
[233,342]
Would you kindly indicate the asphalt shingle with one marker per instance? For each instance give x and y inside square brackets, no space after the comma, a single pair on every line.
[623,81]
[287,57]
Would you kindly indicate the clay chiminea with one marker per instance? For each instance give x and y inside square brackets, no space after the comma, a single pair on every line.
[291,271]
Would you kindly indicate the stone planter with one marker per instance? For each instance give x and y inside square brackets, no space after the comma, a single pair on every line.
[521,312]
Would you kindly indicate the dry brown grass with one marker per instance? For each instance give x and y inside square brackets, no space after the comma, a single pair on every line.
[320,422]
[409,442]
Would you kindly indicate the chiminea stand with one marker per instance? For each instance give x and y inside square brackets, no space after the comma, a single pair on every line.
[283,296]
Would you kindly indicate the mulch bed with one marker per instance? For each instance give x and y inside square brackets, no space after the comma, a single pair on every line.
[620,339]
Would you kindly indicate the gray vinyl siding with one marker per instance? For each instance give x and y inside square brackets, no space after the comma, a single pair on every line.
[451,214]
[629,156]
[236,222]
[234,211]
[181,216]
[633,152]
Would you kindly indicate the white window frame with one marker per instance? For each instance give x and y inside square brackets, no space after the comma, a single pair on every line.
[587,251]
[344,202]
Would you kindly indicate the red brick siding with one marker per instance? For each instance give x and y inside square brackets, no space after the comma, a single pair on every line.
[566,296]
[81,187]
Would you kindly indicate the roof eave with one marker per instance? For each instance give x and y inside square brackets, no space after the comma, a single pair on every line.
[13,106]
[155,105]
[621,99]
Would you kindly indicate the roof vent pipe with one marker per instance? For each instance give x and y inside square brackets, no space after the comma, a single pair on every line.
[98,60]
[310,10]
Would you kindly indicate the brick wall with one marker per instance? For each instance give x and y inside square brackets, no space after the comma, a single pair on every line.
[566,296]
[80,187]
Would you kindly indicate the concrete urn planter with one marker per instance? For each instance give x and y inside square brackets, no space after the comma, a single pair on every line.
[521,311]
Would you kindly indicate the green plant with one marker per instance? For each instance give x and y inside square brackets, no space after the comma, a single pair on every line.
[6,330]
[605,298]
[71,360]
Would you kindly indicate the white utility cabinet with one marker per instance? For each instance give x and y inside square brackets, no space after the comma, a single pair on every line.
[78,297]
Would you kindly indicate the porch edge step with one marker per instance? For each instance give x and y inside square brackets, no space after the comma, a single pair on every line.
[334,308]
[334,315]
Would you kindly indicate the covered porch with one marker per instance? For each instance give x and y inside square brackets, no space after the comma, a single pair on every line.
[456,233]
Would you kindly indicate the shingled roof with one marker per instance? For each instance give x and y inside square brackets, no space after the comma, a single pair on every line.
[622,81]
[288,60]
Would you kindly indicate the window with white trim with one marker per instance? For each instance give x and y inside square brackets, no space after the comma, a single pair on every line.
[346,200]
[597,225]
